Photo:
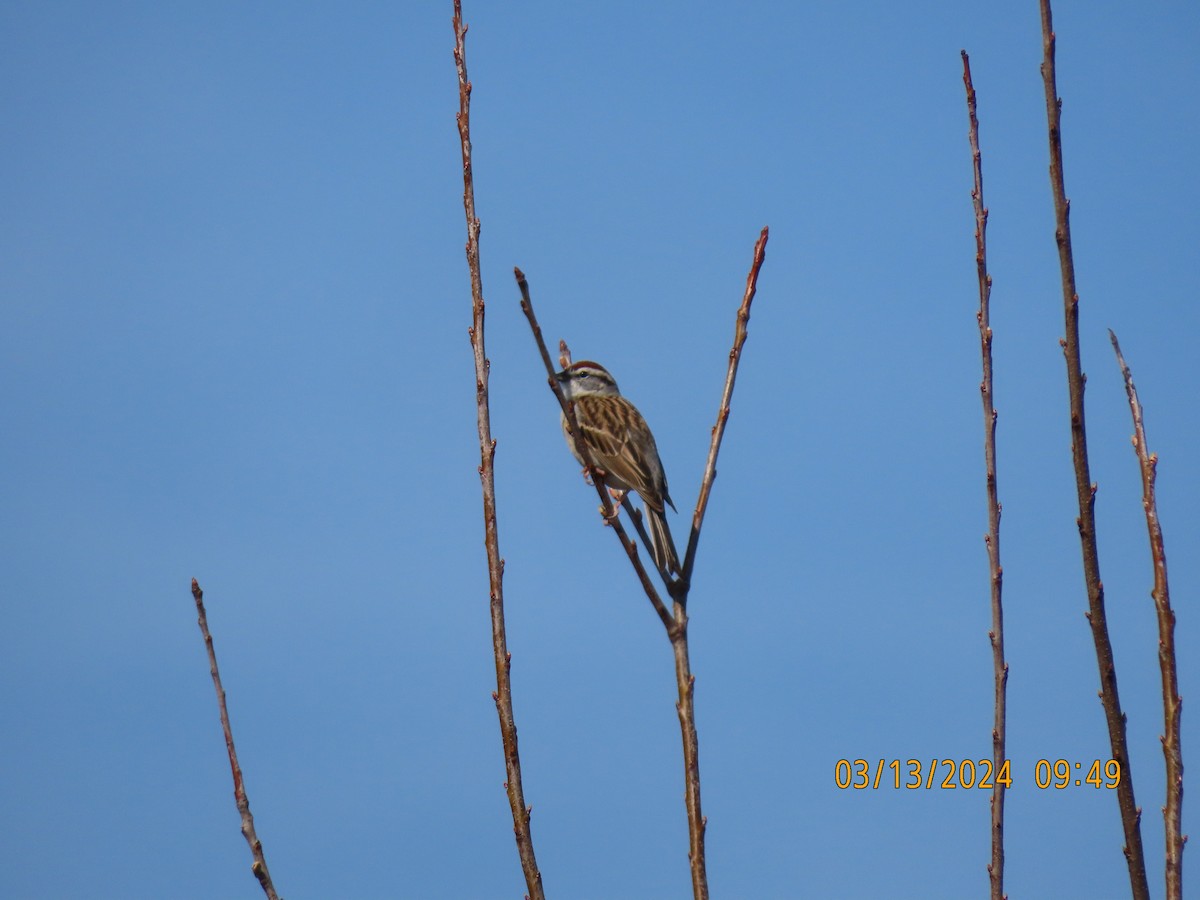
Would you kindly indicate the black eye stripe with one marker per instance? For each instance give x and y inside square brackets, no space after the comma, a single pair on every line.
[581,374]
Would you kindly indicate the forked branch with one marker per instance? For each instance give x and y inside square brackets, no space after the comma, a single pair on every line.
[675,625]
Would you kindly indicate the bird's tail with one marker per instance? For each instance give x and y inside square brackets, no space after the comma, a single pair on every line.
[665,556]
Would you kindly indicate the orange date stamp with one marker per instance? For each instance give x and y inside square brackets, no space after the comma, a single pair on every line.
[968,774]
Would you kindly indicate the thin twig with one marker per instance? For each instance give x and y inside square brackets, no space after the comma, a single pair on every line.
[259,866]
[718,430]
[487,453]
[1172,702]
[992,538]
[1086,491]
[606,507]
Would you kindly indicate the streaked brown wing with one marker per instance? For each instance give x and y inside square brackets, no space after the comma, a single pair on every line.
[612,444]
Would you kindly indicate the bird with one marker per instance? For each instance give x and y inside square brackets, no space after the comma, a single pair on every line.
[618,442]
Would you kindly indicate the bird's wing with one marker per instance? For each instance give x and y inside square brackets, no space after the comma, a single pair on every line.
[613,447]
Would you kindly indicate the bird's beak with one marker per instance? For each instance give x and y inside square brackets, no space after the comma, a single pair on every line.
[560,377]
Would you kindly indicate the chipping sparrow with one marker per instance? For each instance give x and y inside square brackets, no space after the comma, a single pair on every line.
[618,441]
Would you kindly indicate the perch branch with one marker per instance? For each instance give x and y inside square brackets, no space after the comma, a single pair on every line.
[1172,702]
[1085,490]
[992,538]
[487,452]
[606,507]
[259,866]
[676,625]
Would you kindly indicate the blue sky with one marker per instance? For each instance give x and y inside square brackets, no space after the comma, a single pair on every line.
[233,316]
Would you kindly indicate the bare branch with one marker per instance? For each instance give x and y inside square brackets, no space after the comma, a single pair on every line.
[1086,491]
[487,452]
[992,538]
[259,866]
[718,431]
[676,625]
[1172,702]
[686,707]
[697,822]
